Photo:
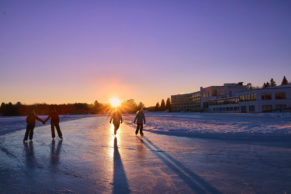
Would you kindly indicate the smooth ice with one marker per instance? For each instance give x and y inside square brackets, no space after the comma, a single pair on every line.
[91,159]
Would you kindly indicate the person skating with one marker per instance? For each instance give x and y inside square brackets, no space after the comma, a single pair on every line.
[30,124]
[55,120]
[116,117]
[139,120]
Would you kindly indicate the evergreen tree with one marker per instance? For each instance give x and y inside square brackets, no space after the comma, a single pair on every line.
[140,106]
[284,81]
[129,106]
[168,105]
[96,106]
[10,110]
[264,85]
[163,105]
[157,108]
[267,84]
[18,108]
[2,108]
[249,86]
[272,82]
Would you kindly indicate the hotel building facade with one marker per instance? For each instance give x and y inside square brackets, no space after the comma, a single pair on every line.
[235,98]
[270,99]
[186,102]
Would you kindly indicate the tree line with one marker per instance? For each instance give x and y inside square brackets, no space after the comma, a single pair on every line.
[163,106]
[19,109]
[267,84]
[272,83]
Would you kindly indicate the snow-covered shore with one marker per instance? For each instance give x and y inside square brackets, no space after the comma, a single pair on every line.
[265,126]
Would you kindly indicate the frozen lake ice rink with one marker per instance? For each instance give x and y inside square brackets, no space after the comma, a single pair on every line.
[91,159]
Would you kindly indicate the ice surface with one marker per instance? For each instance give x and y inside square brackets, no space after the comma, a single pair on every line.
[14,123]
[91,159]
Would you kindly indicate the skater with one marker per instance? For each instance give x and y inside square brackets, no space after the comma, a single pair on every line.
[55,120]
[30,124]
[140,120]
[116,117]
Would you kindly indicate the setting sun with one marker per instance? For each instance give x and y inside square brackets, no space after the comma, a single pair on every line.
[115,102]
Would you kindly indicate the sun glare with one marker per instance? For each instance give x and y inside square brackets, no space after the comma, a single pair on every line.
[115,102]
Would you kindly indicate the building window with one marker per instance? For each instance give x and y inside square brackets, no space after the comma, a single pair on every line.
[252,108]
[280,95]
[266,108]
[253,97]
[243,109]
[266,96]
[206,94]
[205,104]
[248,97]
[281,107]
[214,92]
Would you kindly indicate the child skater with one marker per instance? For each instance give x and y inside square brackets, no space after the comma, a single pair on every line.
[116,117]
[140,120]
[30,124]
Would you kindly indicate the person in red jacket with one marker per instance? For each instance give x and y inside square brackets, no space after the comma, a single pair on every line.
[55,122]
[30,124]
[116,117]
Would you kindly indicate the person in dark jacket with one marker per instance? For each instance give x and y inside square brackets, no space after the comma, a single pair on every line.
[116,117]
[30,124]
[139,120]
[55,120]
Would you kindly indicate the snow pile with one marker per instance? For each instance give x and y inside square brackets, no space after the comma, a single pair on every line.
[273,126]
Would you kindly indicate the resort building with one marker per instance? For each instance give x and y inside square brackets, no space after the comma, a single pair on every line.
[186,102]
[220,94]
[199,101]
[235,98]
[269,99]
[224,105]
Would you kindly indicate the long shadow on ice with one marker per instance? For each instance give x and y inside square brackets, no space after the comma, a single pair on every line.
[120,184]
[195,182]
[55,154]
[30,160]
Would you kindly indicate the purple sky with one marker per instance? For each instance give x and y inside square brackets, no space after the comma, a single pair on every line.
[79,51]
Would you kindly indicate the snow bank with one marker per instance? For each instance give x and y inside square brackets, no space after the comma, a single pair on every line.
[270,126]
